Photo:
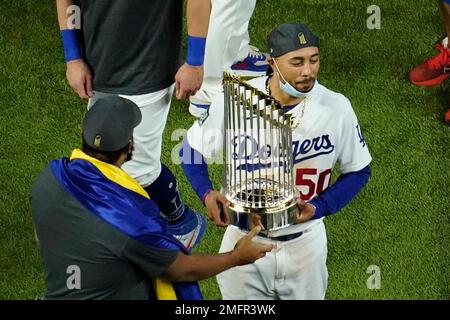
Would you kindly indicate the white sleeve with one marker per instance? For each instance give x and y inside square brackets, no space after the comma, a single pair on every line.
[354,154]
[206,134]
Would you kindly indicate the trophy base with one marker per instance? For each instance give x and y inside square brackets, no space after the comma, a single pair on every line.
[270,219]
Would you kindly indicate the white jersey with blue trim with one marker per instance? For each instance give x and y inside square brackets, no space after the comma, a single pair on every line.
[327,133]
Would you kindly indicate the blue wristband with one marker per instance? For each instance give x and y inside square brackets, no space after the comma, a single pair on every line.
[72,50]
[196,51]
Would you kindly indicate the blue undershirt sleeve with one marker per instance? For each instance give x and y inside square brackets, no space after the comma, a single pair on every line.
[195,168]
[346,187]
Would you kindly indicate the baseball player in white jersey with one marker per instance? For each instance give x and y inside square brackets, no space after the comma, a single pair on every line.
[227,47]
[327,133]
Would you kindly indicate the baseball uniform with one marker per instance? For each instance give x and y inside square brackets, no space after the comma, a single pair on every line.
[327,134]
[228,41]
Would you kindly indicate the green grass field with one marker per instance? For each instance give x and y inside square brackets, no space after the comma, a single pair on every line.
[400,222]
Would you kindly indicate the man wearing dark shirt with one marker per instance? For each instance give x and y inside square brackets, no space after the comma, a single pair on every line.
[132,48]
[101,236]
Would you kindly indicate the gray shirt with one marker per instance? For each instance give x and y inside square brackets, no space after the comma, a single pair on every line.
[132,46]
[111,264]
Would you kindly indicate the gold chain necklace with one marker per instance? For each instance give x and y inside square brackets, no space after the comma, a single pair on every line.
[297,119]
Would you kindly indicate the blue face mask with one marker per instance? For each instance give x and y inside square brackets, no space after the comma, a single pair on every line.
[289,89]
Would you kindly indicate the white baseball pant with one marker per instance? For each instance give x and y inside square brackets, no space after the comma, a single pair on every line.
[293,270]
[228,39]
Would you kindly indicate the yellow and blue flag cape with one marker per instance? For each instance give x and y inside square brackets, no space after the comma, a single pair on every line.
[112,195]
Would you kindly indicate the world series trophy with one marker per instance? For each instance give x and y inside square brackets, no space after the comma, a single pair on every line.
[258,178]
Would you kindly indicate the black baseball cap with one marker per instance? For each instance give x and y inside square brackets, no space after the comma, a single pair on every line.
[109,123]
[288,37]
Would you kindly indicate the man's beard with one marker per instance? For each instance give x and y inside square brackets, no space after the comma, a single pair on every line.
[129,156]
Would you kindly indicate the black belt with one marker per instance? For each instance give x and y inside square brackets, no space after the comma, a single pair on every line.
[286,237]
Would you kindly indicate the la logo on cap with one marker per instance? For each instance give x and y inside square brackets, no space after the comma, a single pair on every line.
[301,38]
[97,141]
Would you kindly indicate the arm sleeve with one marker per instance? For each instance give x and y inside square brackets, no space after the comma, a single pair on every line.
[195,169]
[346,187]
[204,140]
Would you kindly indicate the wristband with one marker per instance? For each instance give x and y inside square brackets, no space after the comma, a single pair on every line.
[72,50]
[195,51]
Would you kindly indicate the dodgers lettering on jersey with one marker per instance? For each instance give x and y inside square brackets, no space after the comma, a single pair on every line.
[302,150]
[309,181]
[310,148]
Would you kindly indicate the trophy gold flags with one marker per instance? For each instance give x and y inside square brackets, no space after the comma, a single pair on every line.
[258,178]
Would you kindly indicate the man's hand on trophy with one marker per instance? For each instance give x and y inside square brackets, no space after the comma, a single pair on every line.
[256,221]
[306,211]
[247,251]
[216,208]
